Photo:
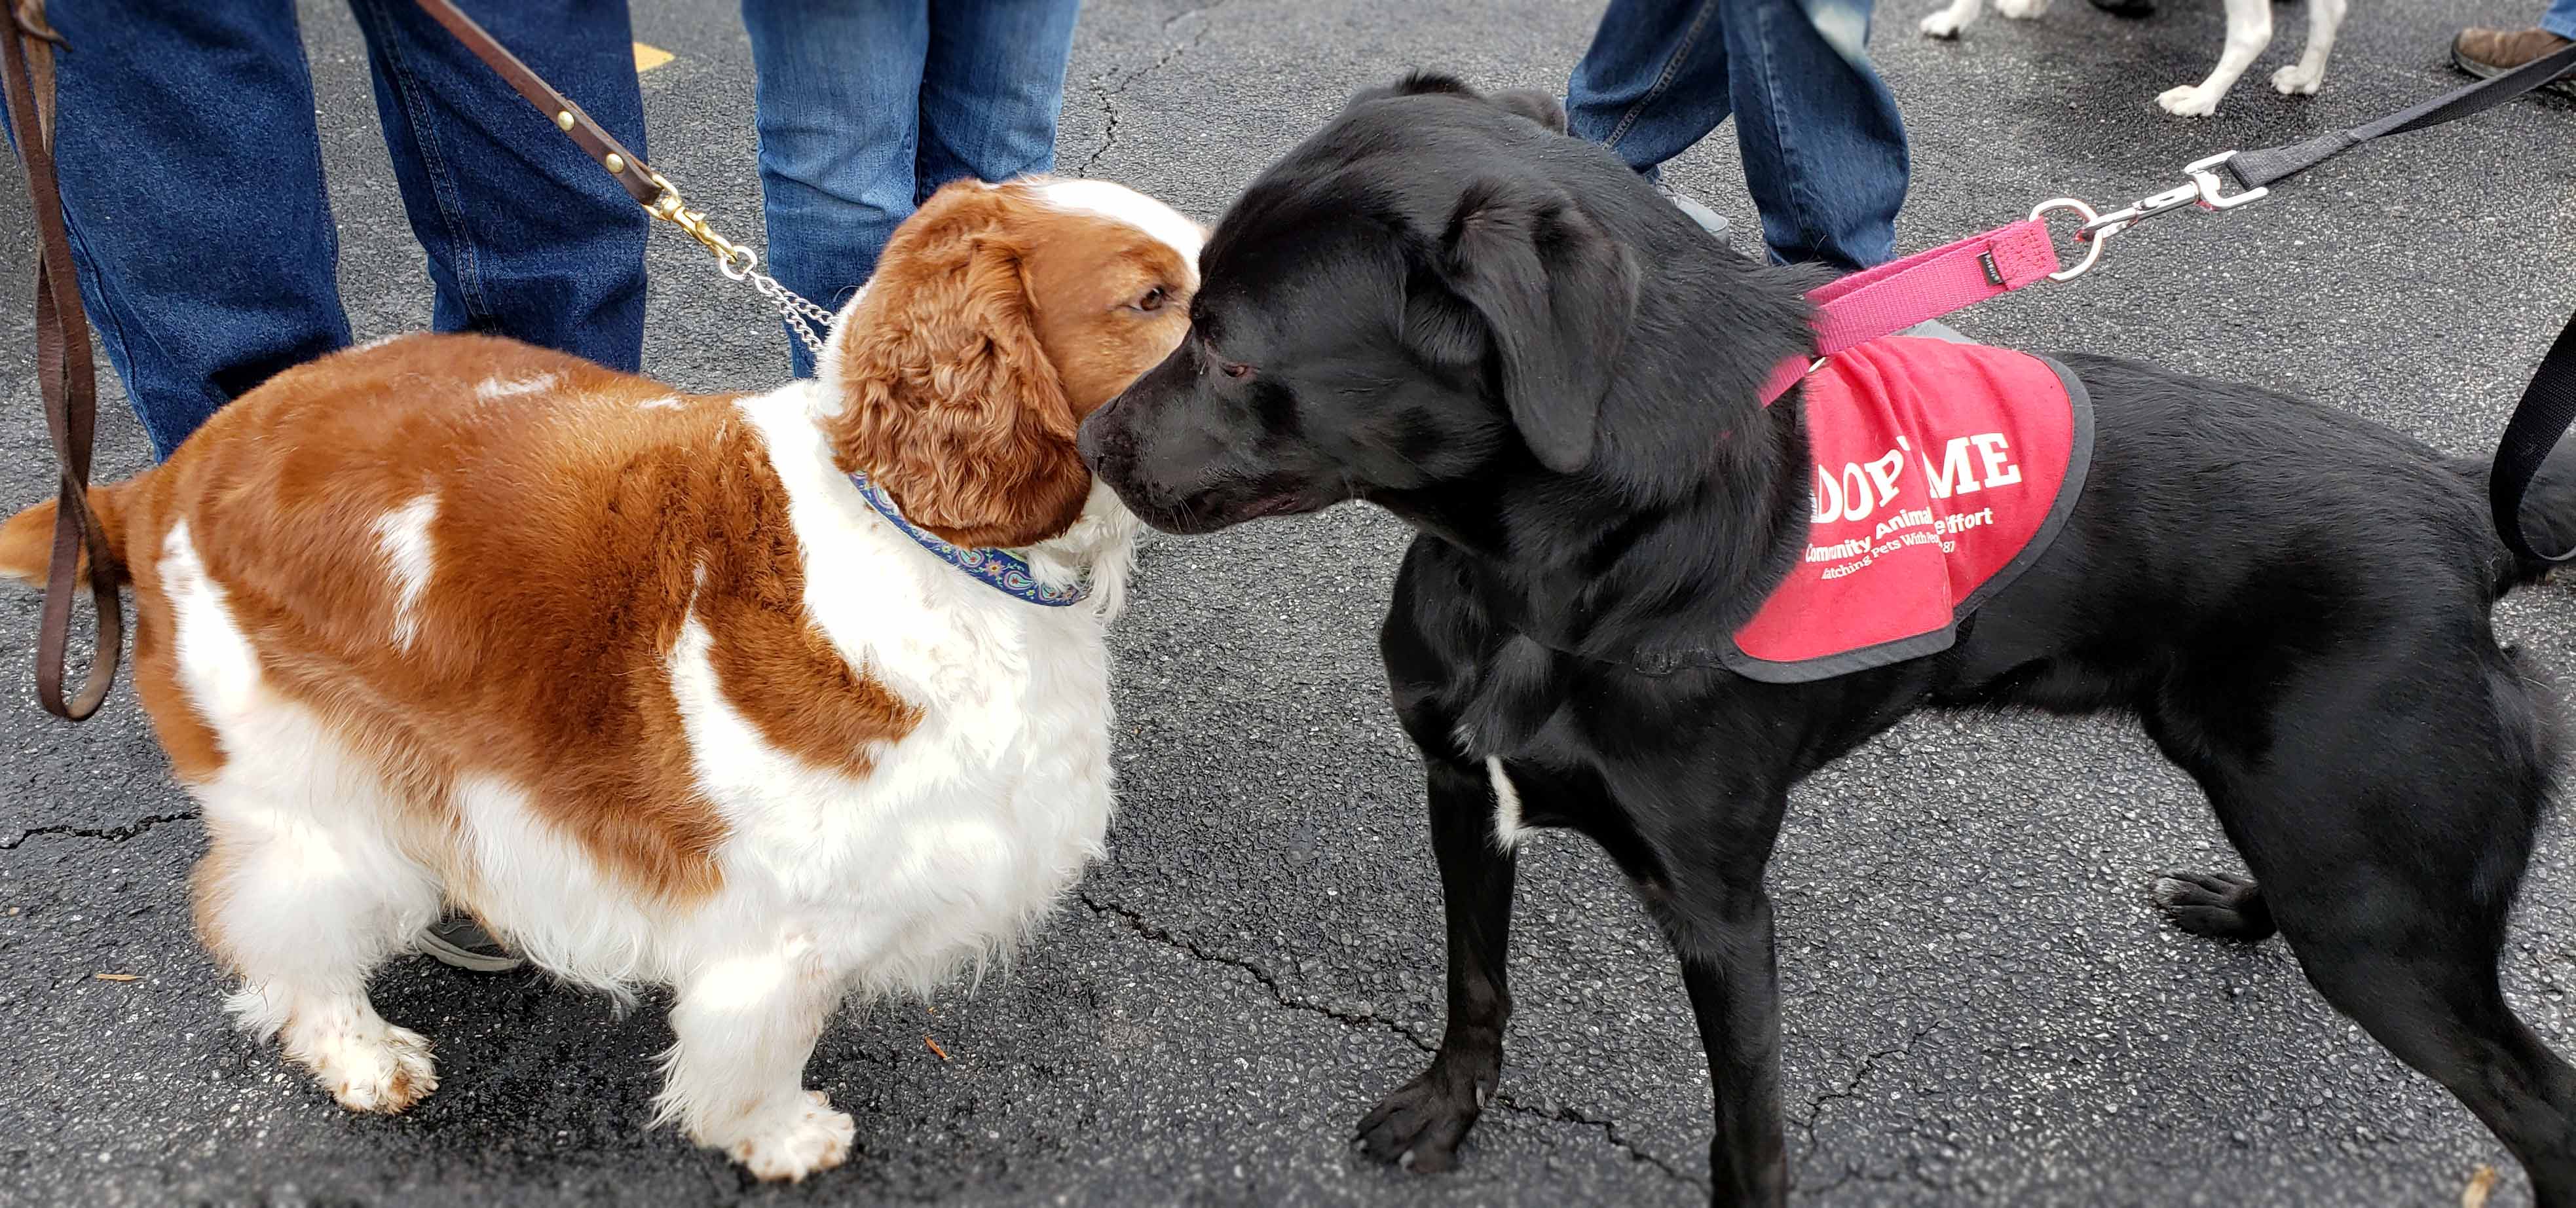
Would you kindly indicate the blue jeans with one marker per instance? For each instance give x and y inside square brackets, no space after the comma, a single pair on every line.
[866,107]
[1824,148]
[191,174]
[2560,19]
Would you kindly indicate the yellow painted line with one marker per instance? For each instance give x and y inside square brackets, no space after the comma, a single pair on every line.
[649,57]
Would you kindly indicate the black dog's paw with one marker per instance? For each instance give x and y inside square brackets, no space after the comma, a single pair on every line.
[2222,906]
[1420,1125]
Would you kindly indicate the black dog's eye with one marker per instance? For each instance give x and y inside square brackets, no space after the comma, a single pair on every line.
[1235,369]
[1153,300]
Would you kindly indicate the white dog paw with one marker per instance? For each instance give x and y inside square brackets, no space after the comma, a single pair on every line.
[1942,25]
[384,1072]
[796,1141]
[2190,100]
[2021,10]
[2297,80]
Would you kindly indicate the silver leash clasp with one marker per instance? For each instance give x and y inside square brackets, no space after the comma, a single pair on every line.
[2205,189]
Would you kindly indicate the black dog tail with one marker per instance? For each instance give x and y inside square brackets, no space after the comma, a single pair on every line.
[2548,515]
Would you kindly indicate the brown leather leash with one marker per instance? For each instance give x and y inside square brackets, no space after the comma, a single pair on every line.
[65,378]
[649,188]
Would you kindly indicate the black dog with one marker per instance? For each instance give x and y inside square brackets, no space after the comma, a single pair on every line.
[1442,306]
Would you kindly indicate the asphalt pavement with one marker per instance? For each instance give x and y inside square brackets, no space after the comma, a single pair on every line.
[1981,1006]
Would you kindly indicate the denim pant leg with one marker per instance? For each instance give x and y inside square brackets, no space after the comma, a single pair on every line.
[526,236]
[2560,19]
[1653,82]
[991,89]
[837,103]
[1824,148]
[192,185]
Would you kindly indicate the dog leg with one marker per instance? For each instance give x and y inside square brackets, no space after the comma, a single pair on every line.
[2249,30]
[1724,940]
[1420,1125]
[2390,837]
[2439,1009]
[735,1081]
[2022,10]
[1949,21]
[2303,77]
[304,912]
[1703,884]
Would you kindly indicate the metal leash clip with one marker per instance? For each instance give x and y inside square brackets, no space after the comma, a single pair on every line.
[733,259]
[740,263]
[2204,189]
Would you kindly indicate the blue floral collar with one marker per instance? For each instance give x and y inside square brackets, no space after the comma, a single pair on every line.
[1000,570]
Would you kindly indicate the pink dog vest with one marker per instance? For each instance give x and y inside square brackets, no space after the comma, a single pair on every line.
[1942,470]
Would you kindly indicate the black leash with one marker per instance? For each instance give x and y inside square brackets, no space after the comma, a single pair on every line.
[2548,406]
[2547,409]
[2255,169]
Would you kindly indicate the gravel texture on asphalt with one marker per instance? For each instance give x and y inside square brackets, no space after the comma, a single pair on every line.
[1981,1006]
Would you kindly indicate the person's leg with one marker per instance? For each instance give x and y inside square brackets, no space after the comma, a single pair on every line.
[1653,82]
[192,185]
[1824,148]
[2493,52]
[526,236]
[992,86]
[837,99]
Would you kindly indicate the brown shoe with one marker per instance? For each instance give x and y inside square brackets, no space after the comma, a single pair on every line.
[2487,53]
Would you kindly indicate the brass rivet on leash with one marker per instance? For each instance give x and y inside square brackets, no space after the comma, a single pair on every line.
[614,162]
[563,119]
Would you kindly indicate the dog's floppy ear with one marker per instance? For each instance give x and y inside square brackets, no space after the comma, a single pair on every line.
[1414,83]
[1532,104]
[1528,102]
[949,398]
[1555,293]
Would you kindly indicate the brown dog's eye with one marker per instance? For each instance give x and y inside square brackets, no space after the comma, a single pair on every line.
[1234,369]
[1154,299]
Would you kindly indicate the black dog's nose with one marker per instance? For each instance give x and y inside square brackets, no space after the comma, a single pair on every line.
[1103,442]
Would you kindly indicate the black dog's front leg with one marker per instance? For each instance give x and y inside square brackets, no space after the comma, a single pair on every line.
[1727,962]
[1420,1125]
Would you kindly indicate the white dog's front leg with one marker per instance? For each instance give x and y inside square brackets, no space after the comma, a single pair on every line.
[736,1078]
[2303,77]
[1949,21]
[2249,30]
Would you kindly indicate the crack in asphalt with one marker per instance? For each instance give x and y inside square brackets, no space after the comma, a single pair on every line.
[1137,923]
[1109,96]
[1851,1090]
[113,834]
[1610,1129]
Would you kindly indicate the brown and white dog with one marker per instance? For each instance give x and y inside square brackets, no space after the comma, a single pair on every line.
[637,677]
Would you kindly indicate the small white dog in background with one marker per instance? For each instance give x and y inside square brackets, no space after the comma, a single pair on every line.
[2249,31]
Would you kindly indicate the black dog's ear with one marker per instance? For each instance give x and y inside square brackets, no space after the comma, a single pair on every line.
[1414,83]
[1535,105]
[1556,294]
[1527,102]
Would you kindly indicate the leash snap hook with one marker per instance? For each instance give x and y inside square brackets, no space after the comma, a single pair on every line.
[2144,208]
[2211,192]
[2206,189]
[732,259]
